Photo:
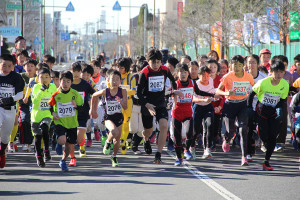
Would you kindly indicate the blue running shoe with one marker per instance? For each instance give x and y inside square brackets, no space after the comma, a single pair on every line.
[295,144]
[278,148]
[58,149]
[63,165]
[188,155]
[171,145]
[178,162]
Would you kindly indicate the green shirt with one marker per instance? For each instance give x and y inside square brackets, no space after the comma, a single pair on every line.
[62,105]
[40,99]
[269,94]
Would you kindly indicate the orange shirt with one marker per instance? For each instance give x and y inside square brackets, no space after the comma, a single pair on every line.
[239,85]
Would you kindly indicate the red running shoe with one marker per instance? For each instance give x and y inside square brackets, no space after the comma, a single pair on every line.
[267,166]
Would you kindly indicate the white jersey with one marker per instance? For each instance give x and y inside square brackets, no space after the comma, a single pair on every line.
[206,88]
[259,77]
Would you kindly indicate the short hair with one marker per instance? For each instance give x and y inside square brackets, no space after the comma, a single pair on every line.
[48,59]
[224,61]
[109,72]
[115,72]
[24,53]
[76,67]
[263,69]
[44,71]
[204,69]
[256,57]
[173,61]
[203,56]
[282,58]
[277,65]
[237,58]
[142,65]
[8,57]
[154,54]
[124,62]
[187,57]
[297,58]
[67,75]
[32,61]
[211,52]
[95,63]
[19,38]
[42,65]
[88,69]
[133,68]
[103,70]
[210,60]
[100,58]
[55,74]
[182,67]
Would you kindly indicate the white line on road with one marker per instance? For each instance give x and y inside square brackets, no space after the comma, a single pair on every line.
[205,179]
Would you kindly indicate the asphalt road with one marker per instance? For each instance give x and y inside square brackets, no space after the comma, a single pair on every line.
[221,177]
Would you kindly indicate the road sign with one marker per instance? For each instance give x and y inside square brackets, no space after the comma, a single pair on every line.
[14,6]
[70,7]
[117,6]
[64,36]
[10,31]
[36,41]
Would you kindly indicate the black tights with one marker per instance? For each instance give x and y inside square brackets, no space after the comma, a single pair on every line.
[38,139]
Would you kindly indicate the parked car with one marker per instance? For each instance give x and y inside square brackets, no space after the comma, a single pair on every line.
[79,58]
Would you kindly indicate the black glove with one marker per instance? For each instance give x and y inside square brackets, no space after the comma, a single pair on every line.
[7,101]
[44,87]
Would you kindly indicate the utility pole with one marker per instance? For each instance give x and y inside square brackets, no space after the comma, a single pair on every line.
[22,3]
[145,24]
[154,24]
[222,28]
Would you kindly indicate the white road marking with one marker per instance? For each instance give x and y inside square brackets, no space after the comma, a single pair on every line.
[205,179]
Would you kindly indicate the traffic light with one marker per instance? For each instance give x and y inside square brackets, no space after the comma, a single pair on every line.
[75,41]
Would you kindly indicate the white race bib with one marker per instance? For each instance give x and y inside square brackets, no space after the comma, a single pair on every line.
[44,103]
[66,109]
[113,107]
[82,94]
[270,99]
[240,87]
[6,92]
[156,83]
[188,94]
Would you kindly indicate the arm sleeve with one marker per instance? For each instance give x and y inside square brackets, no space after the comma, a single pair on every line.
[132,90]
[200,92]
[251,96]
[18,96]
[172,80]
[141,87]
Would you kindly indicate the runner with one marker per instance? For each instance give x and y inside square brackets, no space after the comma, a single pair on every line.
[236,85]
[64,106]
[295,125]
[271,93]
[41,117]
[265,58]
[11,90]
[116,99]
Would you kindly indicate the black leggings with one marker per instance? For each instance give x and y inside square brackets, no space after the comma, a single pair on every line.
[38,139]
[176,127]
[268,129]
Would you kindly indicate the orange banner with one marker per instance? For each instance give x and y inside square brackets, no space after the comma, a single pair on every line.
[128,49]
[215,39]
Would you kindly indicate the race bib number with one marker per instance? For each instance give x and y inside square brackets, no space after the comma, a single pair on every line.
[113,107]
[44,103]
[82,94]
[6,92]
[188,94]
[270,99]
[126,87]
[65,110]
[240,87]
[156,83]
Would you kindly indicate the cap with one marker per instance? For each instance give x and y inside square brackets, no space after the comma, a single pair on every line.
[264,51]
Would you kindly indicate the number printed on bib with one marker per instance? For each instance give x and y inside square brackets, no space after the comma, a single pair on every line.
[240,87]
[6,92]
[82,94]
[156,83]
[188,94]
[113,107]
[65,109]
[44,103]
[270,99]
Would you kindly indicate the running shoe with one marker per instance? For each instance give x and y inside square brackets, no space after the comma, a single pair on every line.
[178,162]
[207,154]
[263,148]
[171,145]
[137,152]
[103,139]
[11,148]
[114,161]
[129,144]
[249,158]
[97,135]
[47,156]
[63,166]
[73,162]
[82,153]
[244,162]
[123,150]
[2,161]
[225,146]
[106,148]
[187,155]
[58,149]
[193,152]
[40,161]
[89,143]
[278,148]
[147,147]
[266,166]
[26,147]
[157,159]
[16,147]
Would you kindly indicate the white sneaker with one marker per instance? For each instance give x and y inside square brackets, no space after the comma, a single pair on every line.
[193,152]
[207,154]
[263,148]
[249,158]
[26,147]
[11,148]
